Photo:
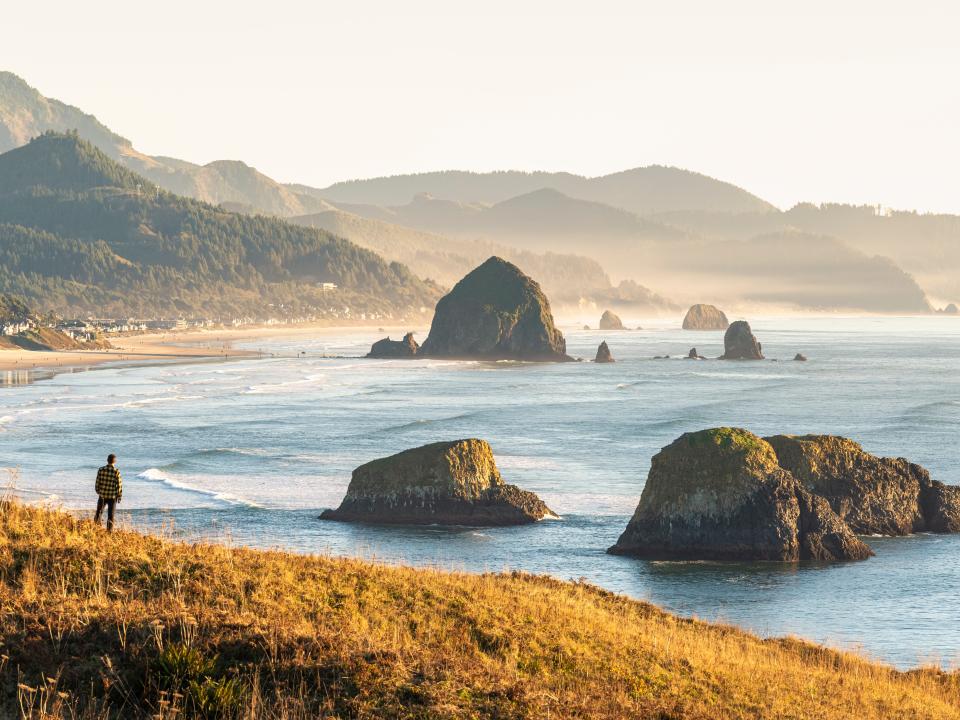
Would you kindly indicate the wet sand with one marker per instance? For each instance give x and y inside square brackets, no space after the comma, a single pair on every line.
[183,345]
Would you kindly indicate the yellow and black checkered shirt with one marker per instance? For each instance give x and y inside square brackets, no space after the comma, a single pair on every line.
[109,483]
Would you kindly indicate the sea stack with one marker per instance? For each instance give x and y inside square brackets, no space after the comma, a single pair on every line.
[611,321]
[694,355]
[739,343]
[705,317]
[603,354]
[445,483]
[720,494]
[387,348]
[873,495]
[495,312]
[800,357]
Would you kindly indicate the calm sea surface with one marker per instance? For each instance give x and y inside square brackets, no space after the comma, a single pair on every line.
[250,450]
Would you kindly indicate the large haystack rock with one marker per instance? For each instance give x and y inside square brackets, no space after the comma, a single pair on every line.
[705,317]
[495,312]
[740,344]
[720,494]
[445,483]
[873,495]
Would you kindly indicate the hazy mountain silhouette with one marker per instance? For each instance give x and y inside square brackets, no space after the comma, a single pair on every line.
[81,233]
[542,220]
[642,190]
[567,279]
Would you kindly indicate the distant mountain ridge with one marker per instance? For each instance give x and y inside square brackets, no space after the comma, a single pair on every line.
[25,114]
[80,233]
[642,190]
[673,229]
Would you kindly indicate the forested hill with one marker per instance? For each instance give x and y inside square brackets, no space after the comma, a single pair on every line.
[80,233]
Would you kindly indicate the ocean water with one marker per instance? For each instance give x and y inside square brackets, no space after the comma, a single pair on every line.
[248,451]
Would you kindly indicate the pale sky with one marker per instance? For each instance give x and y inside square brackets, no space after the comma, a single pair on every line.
[844,101]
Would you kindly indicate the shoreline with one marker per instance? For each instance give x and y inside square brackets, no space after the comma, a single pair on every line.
[177,346]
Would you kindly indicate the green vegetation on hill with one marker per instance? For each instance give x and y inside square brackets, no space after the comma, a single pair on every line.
[80,233]
[98,626]
[14,308]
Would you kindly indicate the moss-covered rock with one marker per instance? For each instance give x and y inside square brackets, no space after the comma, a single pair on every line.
[721,494]
[873,495]
[495,312]
[705,317]
[446,483]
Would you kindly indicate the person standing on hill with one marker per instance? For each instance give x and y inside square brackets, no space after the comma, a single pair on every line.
[109,489]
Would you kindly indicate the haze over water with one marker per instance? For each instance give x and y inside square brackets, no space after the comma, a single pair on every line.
[251,450]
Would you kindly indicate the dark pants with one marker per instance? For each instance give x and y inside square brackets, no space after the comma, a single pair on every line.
[111,505]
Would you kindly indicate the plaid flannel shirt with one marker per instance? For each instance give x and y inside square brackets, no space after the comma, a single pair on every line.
[109,483]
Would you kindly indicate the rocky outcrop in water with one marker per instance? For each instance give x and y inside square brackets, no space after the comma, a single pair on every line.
[694,355]
[445,483]
[495,312]
[720,494]
[800,357]
[611,321]
[387,348]
[873,495]
[705,317]
[603,354]
[740,344]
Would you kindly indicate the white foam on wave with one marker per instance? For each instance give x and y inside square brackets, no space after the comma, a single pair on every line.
[269,388]
[154,401]
[157,475]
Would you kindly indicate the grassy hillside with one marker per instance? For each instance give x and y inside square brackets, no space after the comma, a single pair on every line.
[80,233]
[130,626]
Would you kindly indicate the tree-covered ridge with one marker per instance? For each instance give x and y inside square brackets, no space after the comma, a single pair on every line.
[80,232]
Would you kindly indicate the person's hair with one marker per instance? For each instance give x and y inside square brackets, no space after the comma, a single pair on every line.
[110,458]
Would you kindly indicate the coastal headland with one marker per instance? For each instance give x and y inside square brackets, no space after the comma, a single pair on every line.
[131,625]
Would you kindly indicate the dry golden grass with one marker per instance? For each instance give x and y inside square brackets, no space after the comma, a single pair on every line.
[127,625]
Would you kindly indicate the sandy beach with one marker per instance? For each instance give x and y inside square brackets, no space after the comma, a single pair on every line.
[182,345]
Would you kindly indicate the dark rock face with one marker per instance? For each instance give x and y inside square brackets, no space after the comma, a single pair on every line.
[705,317]
[611,321]
[873,495]
[603,354]
[387,348]
[951,309]
[720,494]
[446,483]
[495,312]
[740,344]
[694,355]
[800,357]
[586,327]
